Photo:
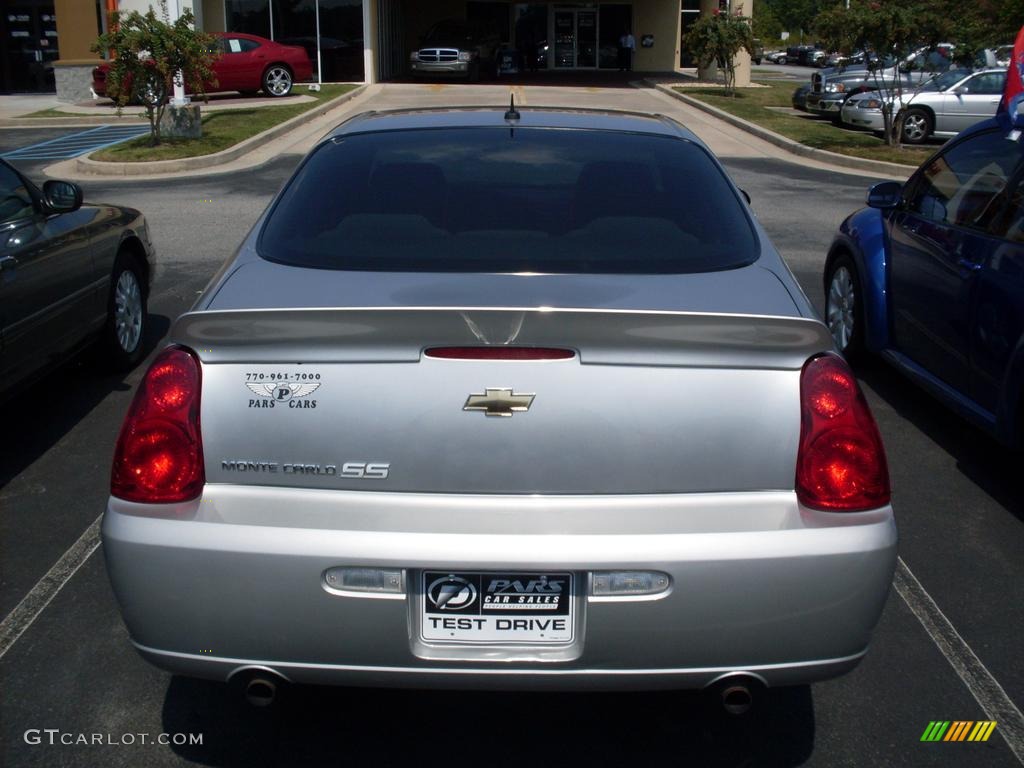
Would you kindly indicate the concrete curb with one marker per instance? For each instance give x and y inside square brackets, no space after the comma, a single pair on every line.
[95,168]
[793,147]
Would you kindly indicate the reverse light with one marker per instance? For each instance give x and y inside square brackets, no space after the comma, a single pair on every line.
[628,583]
[369,580]
[840,464]
[159,455]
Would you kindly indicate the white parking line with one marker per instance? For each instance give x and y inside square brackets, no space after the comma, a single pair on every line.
[979,681]
[986,690]
[33,604]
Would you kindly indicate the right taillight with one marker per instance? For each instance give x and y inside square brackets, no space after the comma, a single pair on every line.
[840,465]
[159,456]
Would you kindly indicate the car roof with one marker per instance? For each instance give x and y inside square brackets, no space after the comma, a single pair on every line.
[543,117]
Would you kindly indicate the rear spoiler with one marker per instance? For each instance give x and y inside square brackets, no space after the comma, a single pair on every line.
[601,337]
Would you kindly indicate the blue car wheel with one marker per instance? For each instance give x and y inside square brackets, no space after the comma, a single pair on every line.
[844,313]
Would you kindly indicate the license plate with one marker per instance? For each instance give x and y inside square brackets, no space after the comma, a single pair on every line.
[517,608]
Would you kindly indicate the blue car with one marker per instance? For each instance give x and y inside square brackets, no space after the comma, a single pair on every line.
[930,276]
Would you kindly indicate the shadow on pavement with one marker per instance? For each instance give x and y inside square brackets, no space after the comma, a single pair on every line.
[348,726]
[984,461]
[47,409]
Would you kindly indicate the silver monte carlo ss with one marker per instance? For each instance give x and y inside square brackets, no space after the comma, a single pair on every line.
[483,400]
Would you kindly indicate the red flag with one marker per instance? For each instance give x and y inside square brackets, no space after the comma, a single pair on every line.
[1015,75]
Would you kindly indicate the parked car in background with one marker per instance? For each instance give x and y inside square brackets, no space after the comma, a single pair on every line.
[930,276]
[70,274]
[828,93]
[942,108]
[457,48]
[799,98]
[244,63]
[757,55]
[775,57]
[643,430]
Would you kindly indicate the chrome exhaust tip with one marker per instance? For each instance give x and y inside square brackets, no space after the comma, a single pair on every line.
[735,692]
[737,699]
[261,691]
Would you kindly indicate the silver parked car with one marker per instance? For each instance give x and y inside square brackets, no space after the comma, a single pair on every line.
[520,401]
[953,101]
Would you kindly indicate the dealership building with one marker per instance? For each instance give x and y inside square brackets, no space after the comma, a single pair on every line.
[45,43]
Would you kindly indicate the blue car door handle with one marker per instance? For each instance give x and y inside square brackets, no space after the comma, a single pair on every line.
[974,266]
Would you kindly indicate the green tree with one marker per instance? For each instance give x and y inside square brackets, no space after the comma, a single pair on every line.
[717,38]
[149,53]
[894,29]
[764,24]
[796,15]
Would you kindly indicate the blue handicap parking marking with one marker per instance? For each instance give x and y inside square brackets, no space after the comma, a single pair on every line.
[79,143]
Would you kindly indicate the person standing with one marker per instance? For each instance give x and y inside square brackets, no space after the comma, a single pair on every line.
[627,45]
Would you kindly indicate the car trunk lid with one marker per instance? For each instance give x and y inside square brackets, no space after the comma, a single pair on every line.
[648,402]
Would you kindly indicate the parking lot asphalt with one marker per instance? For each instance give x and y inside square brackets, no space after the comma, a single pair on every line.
[955,493]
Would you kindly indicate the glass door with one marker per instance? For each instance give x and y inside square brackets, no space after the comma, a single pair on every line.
[586,39]
[576,39]
[565,39]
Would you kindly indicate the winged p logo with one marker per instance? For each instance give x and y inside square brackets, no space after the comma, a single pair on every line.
[282,390]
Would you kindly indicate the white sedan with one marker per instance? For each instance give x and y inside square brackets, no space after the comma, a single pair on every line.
[947,105]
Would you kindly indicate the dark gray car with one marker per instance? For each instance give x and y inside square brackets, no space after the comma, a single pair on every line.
[71,273]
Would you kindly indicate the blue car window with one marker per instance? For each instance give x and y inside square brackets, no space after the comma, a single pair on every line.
[967,185]
[1009,224]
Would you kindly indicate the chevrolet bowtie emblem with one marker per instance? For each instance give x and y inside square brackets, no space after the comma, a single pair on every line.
[498,402]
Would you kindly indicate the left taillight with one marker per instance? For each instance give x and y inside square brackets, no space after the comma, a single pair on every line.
[840,464]
[159,455]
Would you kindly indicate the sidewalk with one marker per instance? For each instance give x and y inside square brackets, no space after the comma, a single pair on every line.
[14,109]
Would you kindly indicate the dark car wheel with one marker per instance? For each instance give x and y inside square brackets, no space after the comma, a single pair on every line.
[277,80]
[915,125]
[126,313]
[844,311]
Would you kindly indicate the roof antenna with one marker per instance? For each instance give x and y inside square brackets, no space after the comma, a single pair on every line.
[513,113]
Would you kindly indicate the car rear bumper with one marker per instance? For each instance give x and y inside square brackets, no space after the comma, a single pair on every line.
[776,591]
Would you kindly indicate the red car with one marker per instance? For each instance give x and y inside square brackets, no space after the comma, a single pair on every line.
[246,63]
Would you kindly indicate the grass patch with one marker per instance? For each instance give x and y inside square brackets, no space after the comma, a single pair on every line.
[221,130]
[812,131]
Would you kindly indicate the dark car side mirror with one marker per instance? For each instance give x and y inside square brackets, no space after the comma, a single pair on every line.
[62,196]
[885,194]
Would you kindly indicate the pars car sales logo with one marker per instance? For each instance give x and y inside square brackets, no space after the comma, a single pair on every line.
[282,392]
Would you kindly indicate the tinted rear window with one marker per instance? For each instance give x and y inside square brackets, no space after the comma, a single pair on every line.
[501,200]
